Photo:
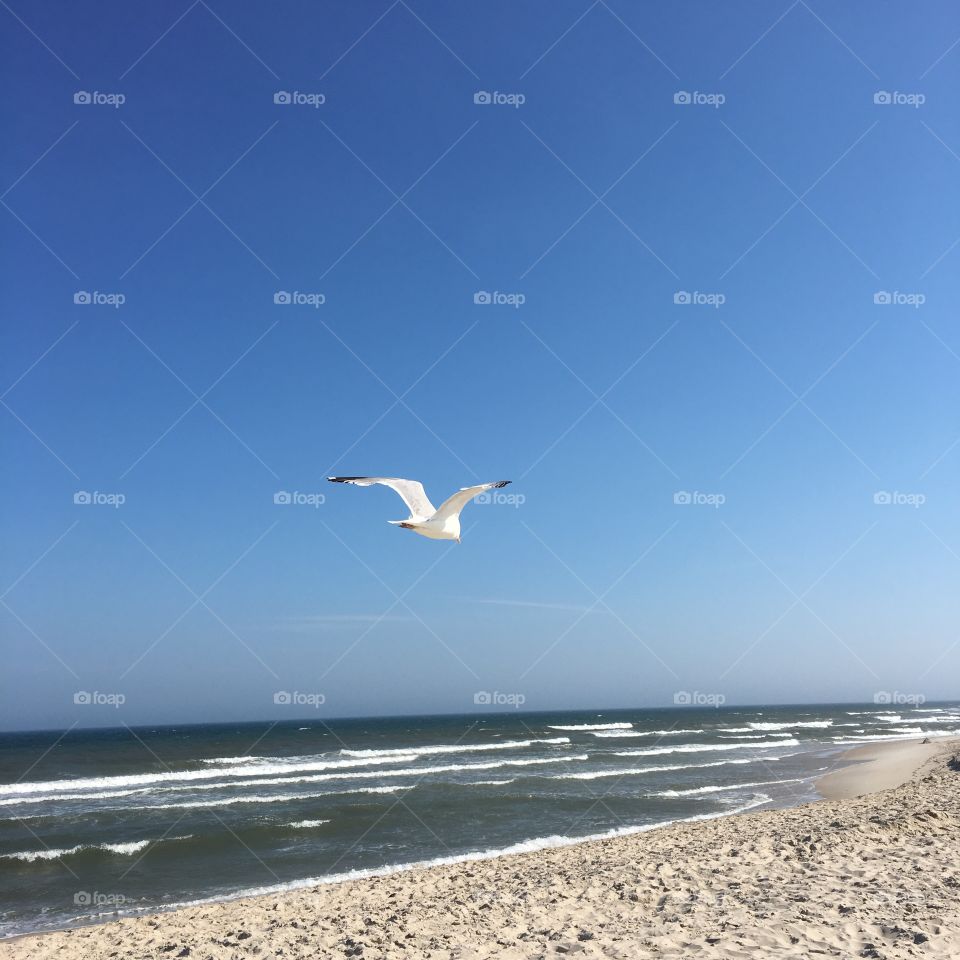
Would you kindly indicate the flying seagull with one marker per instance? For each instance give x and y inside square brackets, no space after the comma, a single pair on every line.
[425,518]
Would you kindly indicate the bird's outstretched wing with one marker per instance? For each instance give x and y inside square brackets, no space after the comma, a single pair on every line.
[411,492]
[453,505]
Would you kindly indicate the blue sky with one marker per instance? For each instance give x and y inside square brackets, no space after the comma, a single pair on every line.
[783,402]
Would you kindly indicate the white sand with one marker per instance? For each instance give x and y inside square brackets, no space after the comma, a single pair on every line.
[876,766]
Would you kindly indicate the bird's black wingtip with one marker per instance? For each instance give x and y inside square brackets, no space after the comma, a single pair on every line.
[501,483]
[344,479]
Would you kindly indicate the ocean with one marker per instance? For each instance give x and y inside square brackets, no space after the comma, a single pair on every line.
[96,824]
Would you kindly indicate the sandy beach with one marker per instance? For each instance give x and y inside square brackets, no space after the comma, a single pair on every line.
[862,874]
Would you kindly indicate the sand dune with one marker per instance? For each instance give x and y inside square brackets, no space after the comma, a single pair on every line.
[867,876]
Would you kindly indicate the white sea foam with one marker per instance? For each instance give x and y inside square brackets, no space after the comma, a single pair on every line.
[52,854]
[126,848]
[490,783]
[696,791]
[245,758]
[306,824]
[414,771]
[268,798]
[449,748]
[706,747]
[123,849]
[174,776]
[647,733]
[314,778]
[53,797]
[323,778]
[590,726]
[634,771]
[813,724]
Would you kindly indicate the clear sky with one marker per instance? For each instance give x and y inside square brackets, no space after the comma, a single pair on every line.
[782,402]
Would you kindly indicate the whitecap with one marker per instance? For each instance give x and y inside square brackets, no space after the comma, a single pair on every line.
[590,726]
[706,747]
[648,733]
[450,748]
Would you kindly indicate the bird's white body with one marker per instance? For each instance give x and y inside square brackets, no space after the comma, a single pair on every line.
[442,523]
[448,529]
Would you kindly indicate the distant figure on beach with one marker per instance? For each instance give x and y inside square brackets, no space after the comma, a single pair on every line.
[425,519]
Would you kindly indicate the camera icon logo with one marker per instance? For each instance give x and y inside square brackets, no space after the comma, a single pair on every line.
[882,297]
[81,96]
[682,698]
[282,97]
[282,497]
[82,697]
[682,97]
[282,296]
[482,698]
[681,297]
[283,698]
[682,497]
[882,97]
[882,697]
[82,497]
[482,297]
[82,297]
[882,498]
[481,96]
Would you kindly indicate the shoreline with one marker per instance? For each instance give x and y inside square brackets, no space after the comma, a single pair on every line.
[446,911]
[878,766]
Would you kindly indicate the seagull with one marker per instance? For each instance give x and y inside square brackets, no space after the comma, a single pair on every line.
[425,518]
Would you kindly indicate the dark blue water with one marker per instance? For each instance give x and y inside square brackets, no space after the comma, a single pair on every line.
[97,823]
